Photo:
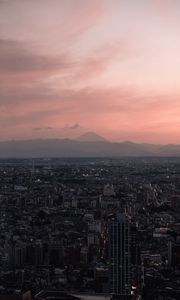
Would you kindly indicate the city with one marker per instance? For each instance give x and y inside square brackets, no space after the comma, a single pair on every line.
[91,226]
[89,149]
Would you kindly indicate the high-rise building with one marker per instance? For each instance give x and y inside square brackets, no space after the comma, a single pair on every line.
[119,255]
[173,254]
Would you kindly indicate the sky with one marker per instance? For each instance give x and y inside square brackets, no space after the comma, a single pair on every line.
[109,66]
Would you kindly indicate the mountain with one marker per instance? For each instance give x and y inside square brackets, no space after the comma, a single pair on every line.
[90,136]
[76,148]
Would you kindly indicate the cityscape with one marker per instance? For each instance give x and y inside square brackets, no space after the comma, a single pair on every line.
[90,227]
[89,149]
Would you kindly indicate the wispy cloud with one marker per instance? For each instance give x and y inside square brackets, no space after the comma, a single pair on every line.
[106,65]
[43,128]
[16,57]
[71,127]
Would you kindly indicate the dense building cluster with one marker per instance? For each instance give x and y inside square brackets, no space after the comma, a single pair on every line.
[97,226]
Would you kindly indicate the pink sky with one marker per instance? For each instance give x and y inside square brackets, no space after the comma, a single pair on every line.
[71,66]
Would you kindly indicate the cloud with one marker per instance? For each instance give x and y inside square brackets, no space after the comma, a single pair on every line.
[72,127]
[56,64]
[43,128]
[16,58]
[27,77]
[48,128]
[75,126]
[53,26]
[97,63]
[119,112]
[69,105]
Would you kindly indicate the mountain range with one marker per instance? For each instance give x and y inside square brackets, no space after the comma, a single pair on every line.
[88,145]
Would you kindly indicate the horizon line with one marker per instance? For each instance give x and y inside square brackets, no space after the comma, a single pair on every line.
[95,141]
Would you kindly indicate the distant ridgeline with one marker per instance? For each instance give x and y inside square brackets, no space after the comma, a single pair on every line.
[81,147]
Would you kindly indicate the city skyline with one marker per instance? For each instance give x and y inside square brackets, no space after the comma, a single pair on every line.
[109,66]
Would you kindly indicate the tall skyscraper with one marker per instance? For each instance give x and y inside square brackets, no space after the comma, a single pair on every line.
[119,255]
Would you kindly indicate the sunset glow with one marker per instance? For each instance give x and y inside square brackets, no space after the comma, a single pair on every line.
[71,66]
